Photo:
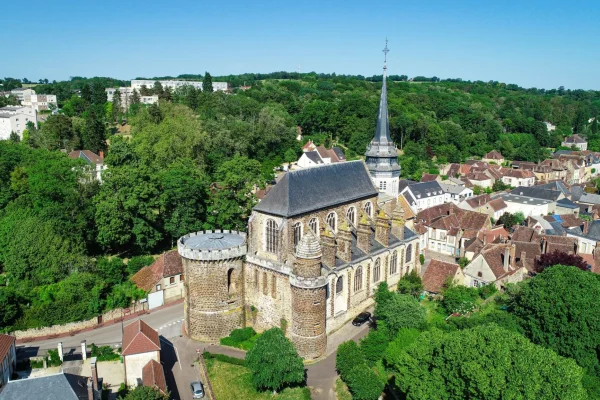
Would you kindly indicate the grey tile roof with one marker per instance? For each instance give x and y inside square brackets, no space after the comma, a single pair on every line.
[453,189]
[537,192]
[306,190]
[556,185]
[566,203]
[576,193]
[52,387]
[513,198]
[314,156]
[426,189]
[590,198]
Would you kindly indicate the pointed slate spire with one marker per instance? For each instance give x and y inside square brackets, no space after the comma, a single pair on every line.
[381,155]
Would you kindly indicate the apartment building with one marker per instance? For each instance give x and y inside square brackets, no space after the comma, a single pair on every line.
[127,96]
[15,119]
[174,84]
[40,102]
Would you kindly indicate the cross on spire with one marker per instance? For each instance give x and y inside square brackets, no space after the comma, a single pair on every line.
[385,51]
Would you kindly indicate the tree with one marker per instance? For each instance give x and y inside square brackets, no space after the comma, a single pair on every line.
[558,257]
[397,310]
[486,362]
[94,132]
[207,86]
[374,344]
[14,137]
[135,97]
[364,383]
[98,94]
[155,113]
[145,393]
[509,220]
[56,133]
[556,316]
[348,356]
[157,89]
[116,103]
[460,299]
[274,362]
[411,284]
[86,94]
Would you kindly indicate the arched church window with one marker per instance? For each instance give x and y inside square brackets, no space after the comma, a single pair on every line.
[313,224]
[377,271]
[351,215]
[271,236]
[297,233]
[408,253]
[339,285]
[358,279]
[332,220]
[394,263]
[369,208]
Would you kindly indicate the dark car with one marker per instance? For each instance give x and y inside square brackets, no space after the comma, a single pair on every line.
[197,390]
[361,318]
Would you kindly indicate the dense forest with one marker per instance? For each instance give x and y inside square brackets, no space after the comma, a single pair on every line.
[193,161]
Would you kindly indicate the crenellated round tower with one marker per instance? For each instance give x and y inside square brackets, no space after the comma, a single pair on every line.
[309,294]
[214,293]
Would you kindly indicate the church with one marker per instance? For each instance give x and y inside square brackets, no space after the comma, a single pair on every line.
[316,248]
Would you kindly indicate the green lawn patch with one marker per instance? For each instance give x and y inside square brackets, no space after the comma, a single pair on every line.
[231,381]
[341,390]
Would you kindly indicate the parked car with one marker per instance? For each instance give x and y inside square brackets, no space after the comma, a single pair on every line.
[197,390]
[361,318]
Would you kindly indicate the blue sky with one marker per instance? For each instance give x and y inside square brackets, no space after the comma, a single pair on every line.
[532,43]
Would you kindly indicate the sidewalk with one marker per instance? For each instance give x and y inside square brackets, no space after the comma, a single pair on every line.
[102,325]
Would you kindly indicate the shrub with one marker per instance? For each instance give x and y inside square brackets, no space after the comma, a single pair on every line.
[421,259]
[401,311]
[104,353]
[224,358]
[460,299]
[487,291]
[240,338]
[463,262]
[348,356]
[398,346]
[411,284]
[364,383]
[53,359]
[374,344]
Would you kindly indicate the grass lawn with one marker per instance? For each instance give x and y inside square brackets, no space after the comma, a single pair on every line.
[341,390]
[233,382]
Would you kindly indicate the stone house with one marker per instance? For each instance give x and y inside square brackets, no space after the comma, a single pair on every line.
[473,247]
[475,203]
[493,156]
[479,179]
[559,171]
[438,273]
[495,208]
[498,264]
[163,279]
[140,345]
[8,358]
[575,140]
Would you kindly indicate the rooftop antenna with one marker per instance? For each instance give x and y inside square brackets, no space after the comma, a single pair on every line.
[385,51]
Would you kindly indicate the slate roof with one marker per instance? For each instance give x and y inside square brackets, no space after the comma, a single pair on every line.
[452,189]
[576,192]
[153,375]
[52,387]
[86,155]
[306,190]
[513,198]
[314,156]
[437,273]
[589,198]
[6,341]
[138,337]
[537,192]
[566,203]
[426,189]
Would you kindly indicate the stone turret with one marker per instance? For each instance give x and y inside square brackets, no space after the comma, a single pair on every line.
[344,242]
[309,295]
[329,247]
[398,222]
[363,235]
[382,229]
[212,265]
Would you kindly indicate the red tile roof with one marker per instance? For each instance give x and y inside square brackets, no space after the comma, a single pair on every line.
[493,155]
[519,173]
[153,376]
[429,177]
[6,342]
[478,201]
[166,265]
[138,337]
[86,155]
[436,275]
[497,204]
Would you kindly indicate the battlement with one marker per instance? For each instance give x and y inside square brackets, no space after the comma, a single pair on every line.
[212,245]
[308,283]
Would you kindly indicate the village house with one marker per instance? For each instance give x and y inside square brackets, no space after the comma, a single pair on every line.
[476,203]
[163,280]
[495,208]
[496,234]
[140,345]
[498,264]
[538,192]
[493,157]
[319,155]
[423,195]
[438,273]
[8,358]
[527,205]
[95,162]
[518,177]
[455,193]
[575,140]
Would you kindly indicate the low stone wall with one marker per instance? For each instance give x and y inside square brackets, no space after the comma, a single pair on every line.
[205,380]
[76,327]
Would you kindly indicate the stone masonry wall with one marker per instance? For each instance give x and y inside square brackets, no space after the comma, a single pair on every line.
[308,321]
[213,301]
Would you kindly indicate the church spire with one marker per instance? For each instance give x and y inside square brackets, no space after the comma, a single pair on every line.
[381,155]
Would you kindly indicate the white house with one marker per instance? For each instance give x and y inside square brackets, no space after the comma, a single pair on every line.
[95,162]
[455,193]
[519,177]
[498,264]
[141,344]
[529,206]
[575,140]
[423,195]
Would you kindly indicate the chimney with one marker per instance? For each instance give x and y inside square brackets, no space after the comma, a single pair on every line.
[344,243]
[60,351]
[544,244]
[83,350]
[513,249]
[398,222]
[94,373]
[523,256]
[586,227]
[484,237]
[382,229]
[101,154]
[506,258]
[328,247]
[363,235]
[90,390]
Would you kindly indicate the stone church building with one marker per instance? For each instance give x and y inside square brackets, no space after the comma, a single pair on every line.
[317,246]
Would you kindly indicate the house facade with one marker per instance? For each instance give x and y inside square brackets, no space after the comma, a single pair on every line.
[423,195]
[8,359]
[140,345]
[575,140]
[163,280]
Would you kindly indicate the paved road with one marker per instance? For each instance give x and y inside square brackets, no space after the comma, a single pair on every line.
[167,321]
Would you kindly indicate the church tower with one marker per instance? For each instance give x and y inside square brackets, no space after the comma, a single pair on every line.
[381,155]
